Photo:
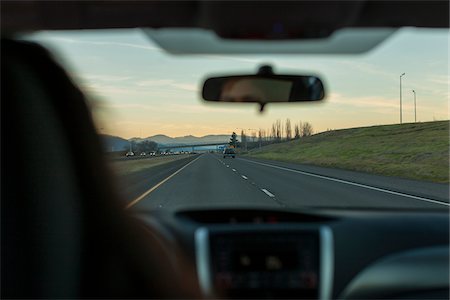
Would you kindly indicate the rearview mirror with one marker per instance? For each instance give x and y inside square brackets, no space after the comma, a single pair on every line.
[264,87]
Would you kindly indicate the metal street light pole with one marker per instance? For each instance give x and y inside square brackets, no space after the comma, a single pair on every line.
[401,121]
[415,110]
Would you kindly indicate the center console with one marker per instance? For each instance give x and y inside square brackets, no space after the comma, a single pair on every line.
[241,261]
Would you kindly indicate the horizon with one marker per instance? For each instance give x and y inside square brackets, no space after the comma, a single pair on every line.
[238,134]
[146,91]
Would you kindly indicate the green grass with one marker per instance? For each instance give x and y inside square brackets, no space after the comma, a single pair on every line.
[416,151]
[127,167]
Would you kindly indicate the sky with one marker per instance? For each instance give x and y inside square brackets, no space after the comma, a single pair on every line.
[135,89]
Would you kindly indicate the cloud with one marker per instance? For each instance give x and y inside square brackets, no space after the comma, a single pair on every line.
[171,108]
[107,43]
[105,90]
[367,101]
[168,83]
[106,78]
[386,106]
[233,58]
[99,84]
[186,87]
[154,82]
[139,89]
[130,106]
[202,109]
[440,79]
[365,67]
[375,103]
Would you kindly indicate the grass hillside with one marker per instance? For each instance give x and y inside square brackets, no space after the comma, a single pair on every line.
[416,151]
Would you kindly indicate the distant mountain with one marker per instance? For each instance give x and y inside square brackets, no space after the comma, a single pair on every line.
[114,143]
[159,138]
[184,140]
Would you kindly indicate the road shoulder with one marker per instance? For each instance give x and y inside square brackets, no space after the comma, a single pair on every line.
[435,191]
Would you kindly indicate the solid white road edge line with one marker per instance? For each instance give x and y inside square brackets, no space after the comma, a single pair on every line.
[350,183]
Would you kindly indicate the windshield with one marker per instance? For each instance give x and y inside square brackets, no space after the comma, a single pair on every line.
[379,139]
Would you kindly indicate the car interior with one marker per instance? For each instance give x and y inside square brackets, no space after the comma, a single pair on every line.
[66,234]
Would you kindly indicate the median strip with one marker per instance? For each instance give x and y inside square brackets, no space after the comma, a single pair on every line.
[158,185]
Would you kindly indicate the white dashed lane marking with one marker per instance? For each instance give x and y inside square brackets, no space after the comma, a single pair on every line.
[268,193]
[272,196]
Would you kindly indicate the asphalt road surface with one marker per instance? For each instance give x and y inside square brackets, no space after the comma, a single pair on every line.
[209,180]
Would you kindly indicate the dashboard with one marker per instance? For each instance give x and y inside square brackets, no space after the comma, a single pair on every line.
[312,254]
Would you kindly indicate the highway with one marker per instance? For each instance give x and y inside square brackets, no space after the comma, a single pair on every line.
[208,180]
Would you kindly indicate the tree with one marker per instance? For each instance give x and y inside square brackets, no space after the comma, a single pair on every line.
[307,129]
[296,131]
[233,140]
[145,146]
[243,140]
[288,130]
[273,133]
[261,135]
[253,136]
[278,132]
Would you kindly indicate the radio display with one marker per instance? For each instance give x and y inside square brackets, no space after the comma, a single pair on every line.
[248,259]
[272,264]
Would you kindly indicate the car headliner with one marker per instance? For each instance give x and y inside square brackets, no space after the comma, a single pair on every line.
[229,19]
